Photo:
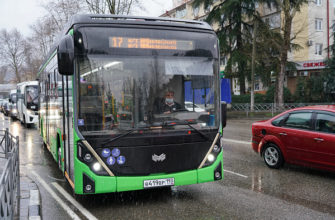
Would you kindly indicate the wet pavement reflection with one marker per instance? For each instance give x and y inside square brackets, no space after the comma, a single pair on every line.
[288,193]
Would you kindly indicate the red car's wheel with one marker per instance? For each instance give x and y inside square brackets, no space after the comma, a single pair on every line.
[272,155]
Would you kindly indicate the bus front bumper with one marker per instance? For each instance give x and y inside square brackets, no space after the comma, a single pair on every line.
[31,119]
[107,184]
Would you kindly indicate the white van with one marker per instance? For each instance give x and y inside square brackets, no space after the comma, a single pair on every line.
[27,102]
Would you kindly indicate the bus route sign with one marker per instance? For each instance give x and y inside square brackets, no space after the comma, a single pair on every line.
[150,43]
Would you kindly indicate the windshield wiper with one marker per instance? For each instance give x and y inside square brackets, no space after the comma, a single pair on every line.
[174,123]
[123,135]
[120,136]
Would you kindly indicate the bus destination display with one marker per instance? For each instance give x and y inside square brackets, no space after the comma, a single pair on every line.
[149,43]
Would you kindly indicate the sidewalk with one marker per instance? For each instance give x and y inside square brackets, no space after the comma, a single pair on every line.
[30,205]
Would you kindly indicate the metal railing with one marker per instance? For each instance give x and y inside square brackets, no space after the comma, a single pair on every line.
[10,177]
[269,107]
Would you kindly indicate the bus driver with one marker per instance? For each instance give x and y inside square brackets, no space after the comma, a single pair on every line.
[167,104]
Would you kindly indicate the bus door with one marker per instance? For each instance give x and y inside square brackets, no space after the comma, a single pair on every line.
[47,113]
[66,123]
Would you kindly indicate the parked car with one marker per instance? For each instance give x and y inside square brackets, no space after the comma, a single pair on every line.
[303,136]
[13,98]
[1,103]
[6,108]
[189,107]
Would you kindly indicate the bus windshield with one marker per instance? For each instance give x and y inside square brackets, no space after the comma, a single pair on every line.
[130,92]
[147,82]
[32,97]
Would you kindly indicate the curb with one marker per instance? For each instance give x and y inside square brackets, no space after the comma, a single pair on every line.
[30,200]
[34,209]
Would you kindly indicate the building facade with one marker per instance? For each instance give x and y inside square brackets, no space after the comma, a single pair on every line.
[313,28]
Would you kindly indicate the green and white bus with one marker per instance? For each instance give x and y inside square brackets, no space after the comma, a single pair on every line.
[101,90]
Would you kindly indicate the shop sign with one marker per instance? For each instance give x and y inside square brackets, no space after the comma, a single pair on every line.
[317,64]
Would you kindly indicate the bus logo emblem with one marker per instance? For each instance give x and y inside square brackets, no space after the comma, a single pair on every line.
[157,158]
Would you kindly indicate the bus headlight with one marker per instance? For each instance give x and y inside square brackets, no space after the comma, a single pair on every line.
[211,158]
[96,166]
[85,156]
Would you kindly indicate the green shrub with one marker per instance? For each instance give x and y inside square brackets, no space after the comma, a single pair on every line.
[269,96]
[259,98]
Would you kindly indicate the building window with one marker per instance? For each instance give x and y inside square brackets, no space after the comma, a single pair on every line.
[318,24]
[180,13]
[208,9]
[273,21]
[318,2]
[303,73]
[257,87]
[318,49]
[196,11]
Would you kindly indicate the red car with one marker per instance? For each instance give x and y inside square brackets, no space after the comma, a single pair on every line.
[303,136]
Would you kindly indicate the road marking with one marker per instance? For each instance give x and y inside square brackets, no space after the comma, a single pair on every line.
[81,208]
[56,197]
[237,141]
[237,174]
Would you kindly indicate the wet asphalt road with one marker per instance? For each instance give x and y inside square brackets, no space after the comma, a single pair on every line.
[249,190]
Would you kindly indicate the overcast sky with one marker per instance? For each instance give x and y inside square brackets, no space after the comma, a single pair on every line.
[21,14]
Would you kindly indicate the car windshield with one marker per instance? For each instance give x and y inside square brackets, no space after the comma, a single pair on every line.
[123,92]
[13,97]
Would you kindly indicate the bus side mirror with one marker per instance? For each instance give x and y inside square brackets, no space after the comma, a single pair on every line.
[65,56]
[223,114]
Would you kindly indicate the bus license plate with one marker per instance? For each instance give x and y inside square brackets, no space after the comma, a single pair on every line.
[158,183]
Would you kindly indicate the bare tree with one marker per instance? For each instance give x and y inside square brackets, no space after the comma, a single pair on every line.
[289,10]
[97,6]
[3,73]
[32,63]
[46,30]
[60,11]
[43,35]
[12,51]
[119,7]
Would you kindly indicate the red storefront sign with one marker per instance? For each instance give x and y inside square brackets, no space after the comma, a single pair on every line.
[313,64]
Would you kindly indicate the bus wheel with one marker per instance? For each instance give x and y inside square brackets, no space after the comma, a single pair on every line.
[24,122]
[79,197]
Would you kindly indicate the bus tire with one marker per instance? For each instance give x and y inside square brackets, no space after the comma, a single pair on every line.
[24,122]
[79,197]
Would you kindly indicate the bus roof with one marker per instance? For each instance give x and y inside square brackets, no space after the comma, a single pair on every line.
[28,83]
[127,20]
[137,20]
